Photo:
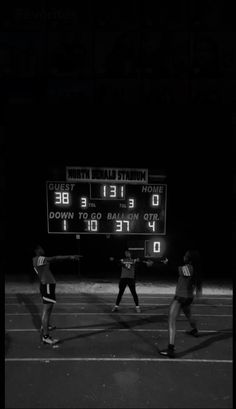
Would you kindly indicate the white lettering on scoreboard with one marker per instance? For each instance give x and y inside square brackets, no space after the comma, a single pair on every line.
[118,175]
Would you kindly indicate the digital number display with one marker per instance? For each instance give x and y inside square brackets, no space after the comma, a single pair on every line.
[107,191]
[103,208]
[62,198]
[154,248]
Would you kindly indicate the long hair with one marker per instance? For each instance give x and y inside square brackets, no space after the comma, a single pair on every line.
[194,258]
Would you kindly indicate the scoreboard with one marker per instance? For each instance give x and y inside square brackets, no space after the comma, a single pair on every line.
[106,208]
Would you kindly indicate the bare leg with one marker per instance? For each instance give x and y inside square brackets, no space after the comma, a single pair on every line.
[188,314]
[49,313]
[47,309]
[174,311]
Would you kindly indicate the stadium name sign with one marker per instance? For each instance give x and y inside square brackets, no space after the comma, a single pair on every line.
[118,175]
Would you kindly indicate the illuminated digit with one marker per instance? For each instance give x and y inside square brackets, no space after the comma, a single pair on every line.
[92,225]
[65,197]
[120,223]
[131,203]
[104,191]
[156,247]
[122,191]
[84,202]
[57,197]
[127,224]
[64,225]
[155,200]
[62,198]
[152,225]
[112,191]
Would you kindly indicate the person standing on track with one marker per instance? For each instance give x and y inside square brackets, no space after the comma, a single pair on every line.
[41,265]
[128,278]
[189,282]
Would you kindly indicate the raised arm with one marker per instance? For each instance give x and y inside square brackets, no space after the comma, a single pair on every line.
[150,262]
[61,258]
[121,261]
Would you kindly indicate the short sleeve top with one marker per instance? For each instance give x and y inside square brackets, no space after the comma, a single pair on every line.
[42,268]
[185,285]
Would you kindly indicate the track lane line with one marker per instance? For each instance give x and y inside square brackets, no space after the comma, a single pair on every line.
[116,329]
[117,314]
[119,359]
[124,304]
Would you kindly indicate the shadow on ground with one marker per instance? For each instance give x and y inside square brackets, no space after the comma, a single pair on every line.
[32,308]
[118,323]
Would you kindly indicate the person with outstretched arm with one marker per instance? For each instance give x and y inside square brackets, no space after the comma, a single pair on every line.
[41,265]
[128,278]
[189,282]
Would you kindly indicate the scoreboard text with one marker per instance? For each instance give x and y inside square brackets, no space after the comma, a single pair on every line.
[106,208]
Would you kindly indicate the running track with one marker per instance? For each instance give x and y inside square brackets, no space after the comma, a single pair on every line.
[111,360]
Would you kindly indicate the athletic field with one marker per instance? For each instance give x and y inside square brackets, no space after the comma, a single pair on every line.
[111,360]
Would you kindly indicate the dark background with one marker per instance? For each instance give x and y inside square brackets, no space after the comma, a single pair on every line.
[198,169]
[119,84]
[130,52]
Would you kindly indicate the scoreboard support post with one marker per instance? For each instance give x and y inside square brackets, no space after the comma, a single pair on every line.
[78,248]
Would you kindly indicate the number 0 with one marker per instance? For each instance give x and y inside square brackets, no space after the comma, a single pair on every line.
[156,247]
[155,200]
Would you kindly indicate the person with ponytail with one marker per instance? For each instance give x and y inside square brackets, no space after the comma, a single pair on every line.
[189,283]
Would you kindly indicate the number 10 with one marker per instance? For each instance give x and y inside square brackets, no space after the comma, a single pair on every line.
[92,225]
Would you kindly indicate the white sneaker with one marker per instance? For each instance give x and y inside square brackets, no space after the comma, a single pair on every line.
[46,339]
[138,309]
[115,308]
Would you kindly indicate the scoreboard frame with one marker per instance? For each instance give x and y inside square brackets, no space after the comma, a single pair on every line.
[66,186]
